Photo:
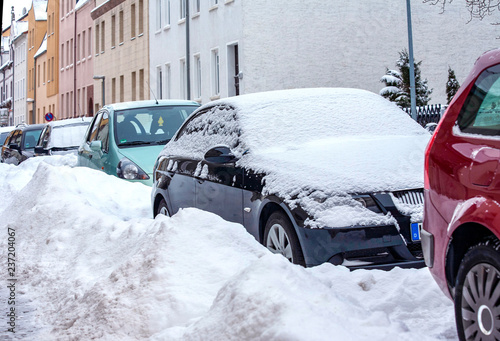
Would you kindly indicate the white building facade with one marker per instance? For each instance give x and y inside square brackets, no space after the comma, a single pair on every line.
[245,46]
[19,46]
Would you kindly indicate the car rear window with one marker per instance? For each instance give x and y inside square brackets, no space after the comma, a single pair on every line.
[481,111]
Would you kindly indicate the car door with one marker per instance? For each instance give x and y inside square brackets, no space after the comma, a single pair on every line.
[13,152]
[84,152]
[218,184]
[99,146]
[6,150]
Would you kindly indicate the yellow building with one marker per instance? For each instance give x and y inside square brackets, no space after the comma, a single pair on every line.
[37,28]
[44,104]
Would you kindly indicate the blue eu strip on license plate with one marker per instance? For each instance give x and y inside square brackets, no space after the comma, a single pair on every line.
[415,231]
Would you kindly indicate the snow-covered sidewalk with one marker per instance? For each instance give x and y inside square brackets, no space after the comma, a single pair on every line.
[91,263]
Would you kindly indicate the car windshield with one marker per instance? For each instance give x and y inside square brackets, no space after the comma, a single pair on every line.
[67,135]
[31,138]
[3,136]
[151,125]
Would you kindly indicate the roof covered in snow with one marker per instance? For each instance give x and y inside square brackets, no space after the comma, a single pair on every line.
[43,47]
[40,7]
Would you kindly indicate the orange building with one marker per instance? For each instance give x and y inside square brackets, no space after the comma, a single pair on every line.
[53,56]
[37,28]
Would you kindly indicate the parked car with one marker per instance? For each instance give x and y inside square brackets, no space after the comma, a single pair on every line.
[124,139]
[20,143]
[62,137]
[317,175]
[461,228]
[4,132]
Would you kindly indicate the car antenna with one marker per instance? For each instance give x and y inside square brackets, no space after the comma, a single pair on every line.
[152,92]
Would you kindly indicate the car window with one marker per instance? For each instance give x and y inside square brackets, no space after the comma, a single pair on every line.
[149,125]
[103,132]
[16,138]
[208,128]
[94,125]
[45,136]
[481,111]
[31,138]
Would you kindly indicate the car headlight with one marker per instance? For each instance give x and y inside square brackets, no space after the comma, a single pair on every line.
[126,169]
[368,202]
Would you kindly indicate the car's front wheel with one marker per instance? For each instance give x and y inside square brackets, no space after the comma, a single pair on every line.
[477,293]
[280,237]
[162,209]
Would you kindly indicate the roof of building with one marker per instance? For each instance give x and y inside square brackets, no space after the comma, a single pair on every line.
[43,47]
[40,7]
[80,4]
[21,27]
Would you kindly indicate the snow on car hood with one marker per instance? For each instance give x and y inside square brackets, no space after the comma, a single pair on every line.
[320,175]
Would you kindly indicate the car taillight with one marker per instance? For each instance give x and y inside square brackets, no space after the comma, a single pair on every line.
[428,154]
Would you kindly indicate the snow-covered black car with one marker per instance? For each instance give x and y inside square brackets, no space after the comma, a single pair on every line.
[318,175]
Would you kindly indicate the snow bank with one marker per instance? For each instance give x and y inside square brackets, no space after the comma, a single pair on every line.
[94,265]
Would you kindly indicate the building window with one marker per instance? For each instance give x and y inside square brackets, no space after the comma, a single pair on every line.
[141,17]
[215,73]
[113,30]
[134,86]
[44,75]
[121,27]
[62,55]
[167,81]
[103,31]
[122,88]
[79,41]
[132,20]
[39,76]
[141,84]
[214,3]
[183,9]
[167,14]
[183,79]
[113,90]
[90,41]
[96,39]
[197,6]
[71,47]
[158,14]
[159,82]
[83,44]
[68,49]
[197,65]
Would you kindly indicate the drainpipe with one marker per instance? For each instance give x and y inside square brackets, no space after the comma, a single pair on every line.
[74,68]
[188,58]
[413,97]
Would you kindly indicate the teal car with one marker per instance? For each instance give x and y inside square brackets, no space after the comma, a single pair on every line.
[124,139]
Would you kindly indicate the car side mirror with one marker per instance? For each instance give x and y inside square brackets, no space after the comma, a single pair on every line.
[220,154]
[14,146]
[41,150]
[96,146]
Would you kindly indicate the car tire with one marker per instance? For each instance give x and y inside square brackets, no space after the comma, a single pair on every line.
[162,208]
[280,238]
[477,293]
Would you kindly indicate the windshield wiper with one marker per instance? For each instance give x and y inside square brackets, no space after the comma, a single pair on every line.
[134,143]
[163,141]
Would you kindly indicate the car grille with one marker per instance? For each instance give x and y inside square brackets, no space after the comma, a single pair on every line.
[411,197]
[416,250]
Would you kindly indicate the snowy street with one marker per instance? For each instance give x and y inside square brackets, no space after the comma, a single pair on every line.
[92,264]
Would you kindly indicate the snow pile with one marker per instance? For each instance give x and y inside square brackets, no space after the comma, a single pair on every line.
[94,265]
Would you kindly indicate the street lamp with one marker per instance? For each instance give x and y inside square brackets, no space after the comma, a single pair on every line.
[103,92]
[412,63]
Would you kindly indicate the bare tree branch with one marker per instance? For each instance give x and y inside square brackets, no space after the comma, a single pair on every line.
[478,9]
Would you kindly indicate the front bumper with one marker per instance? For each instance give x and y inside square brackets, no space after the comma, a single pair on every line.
[380,247]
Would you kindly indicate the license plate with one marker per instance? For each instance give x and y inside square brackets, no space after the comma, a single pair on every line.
[415,231]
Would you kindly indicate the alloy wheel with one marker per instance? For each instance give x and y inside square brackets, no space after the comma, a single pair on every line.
[480,303]
[279,242]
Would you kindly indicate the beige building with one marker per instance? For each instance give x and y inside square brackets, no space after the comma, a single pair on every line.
[121,51]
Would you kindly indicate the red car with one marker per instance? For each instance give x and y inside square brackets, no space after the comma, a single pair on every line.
[461,226]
